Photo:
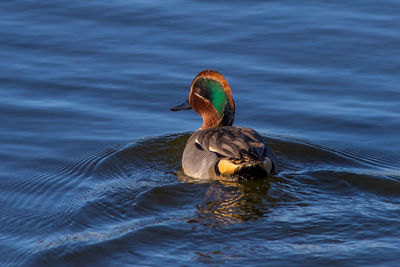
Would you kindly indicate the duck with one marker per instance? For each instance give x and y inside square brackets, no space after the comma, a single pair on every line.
[218,150]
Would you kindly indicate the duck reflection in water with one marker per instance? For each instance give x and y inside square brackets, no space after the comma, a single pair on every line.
[233,202]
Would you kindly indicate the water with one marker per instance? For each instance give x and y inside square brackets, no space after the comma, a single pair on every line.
[90,153]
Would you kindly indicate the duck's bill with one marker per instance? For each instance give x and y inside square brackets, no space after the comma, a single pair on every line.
[184,106]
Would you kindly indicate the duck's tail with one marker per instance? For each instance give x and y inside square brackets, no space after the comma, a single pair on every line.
[245,168]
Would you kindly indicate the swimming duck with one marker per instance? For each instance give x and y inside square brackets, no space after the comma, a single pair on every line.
[219,150]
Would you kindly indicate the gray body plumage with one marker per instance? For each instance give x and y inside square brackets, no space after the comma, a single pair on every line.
[239,144]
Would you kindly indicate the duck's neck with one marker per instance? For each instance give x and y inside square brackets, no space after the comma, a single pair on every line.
[228,116]
[211,118]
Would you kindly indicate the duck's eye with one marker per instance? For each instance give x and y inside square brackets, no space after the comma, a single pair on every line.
[197,90]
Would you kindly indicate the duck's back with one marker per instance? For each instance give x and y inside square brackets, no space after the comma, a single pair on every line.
[230,152]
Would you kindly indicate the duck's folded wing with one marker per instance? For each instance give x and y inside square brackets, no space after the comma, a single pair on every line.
[233,142]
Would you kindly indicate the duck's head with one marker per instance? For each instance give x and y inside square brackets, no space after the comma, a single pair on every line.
[211,97]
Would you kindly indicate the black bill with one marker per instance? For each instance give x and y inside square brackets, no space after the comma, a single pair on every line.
[184,106]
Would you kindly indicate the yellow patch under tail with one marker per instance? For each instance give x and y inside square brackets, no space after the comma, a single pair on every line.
[252,169]
[227,167]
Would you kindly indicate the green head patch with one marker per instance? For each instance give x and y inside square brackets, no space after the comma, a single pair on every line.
[213,91]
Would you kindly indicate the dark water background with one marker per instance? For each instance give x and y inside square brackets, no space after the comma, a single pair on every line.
[90,154]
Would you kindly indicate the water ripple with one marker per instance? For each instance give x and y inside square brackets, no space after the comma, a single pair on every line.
[120,192]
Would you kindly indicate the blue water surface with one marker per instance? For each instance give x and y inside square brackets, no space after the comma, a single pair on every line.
[90,153]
